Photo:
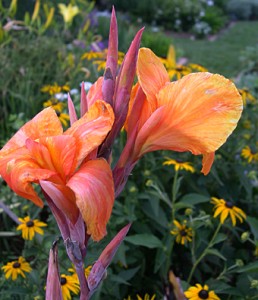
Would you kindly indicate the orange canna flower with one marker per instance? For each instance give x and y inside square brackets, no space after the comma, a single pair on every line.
[64,165]
[196,113]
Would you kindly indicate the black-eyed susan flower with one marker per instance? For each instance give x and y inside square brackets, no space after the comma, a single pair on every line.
[249,154]
[182,232]
[86,271]
[146,297]
[55,89]
[53,102]
[197,68]
[179,165]
[63,117]
[15,268]
[227,209]
[29,227]
[69,284]
[246,95]
[199,292]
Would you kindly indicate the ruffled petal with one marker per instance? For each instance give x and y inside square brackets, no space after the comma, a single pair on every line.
[45,123]
[63,197]
[94,190]
[152,75]
[92,128]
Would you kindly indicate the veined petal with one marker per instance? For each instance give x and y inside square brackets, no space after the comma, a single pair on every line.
[21,173]
[202,110]
[94,190]
[152,74]
[63,197]
[45,123]
[95,92]
[57,153]
[92,128]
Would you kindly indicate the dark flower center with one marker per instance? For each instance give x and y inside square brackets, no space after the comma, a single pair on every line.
[179,69]
[229,204]
[16,265]
[63,280]
[58,113]
[30,224]
[183,232]
[203,294]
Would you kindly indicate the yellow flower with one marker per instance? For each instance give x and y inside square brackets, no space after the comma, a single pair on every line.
[29,227]
[17,267]
[179,71]
[197,68]
[68,12]
[64,118]
[246,95]
[54,89]
[225,209]
[178,165]
[92,55]
[199,292]
[86,271]
[146,297]
[183,232]
[57,105]
[101,64]
[249,155]
[69,284]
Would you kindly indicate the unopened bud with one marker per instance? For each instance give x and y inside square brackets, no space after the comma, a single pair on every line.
[147,173]
[239,263]
[254,284]
[188,212]
[245,236]
[149,182]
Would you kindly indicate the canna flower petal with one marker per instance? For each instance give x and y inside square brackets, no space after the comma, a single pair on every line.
[94,190]
[95,92]
[92,128]
[196,114]
[152,75]
[63,197]
[46,123]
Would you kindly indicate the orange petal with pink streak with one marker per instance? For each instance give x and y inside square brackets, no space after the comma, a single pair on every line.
[94,190]
[19,175]
[45,123]
[198,113]
[95,92]
[92,128]
[152,75]
[63,197]
[57,153]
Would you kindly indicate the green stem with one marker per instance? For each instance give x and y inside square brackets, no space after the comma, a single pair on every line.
[204,253]
[174,192]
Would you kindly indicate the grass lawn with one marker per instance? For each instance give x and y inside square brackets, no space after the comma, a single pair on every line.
[222,54]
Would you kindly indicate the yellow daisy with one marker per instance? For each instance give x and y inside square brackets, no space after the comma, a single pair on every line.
[197,68]
[69,284]
[17,267]
[199,292]
[92,55]
[29,227]
[178,165]
[225,209]
[56,105]
[55,89]
[249,155]
[63,117]
[246,95]
[86,271]
[178,71]
[146,297]
[182,232]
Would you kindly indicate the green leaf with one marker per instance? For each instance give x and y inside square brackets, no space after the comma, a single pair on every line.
[216,253]
[193,199]
[146,240]
[252,267]
[220,238]
[253,223]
